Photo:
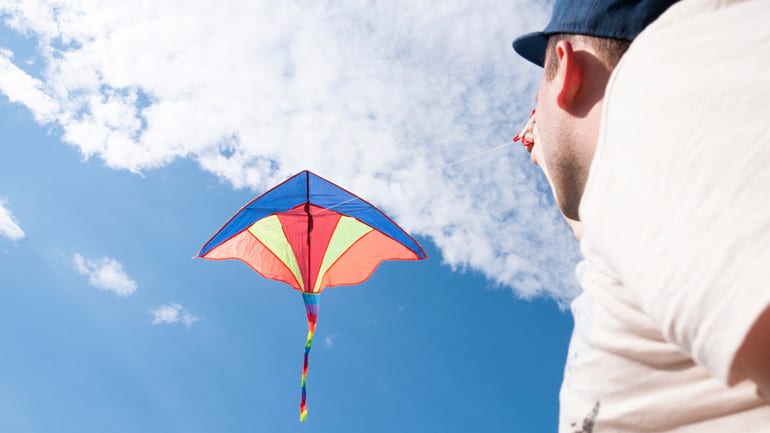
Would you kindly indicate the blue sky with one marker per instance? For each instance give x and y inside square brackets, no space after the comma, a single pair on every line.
[108,187]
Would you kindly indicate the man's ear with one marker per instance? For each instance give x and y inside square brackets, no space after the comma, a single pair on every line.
[569,76]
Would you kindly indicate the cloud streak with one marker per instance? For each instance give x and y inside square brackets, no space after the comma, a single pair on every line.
[172,313]
[380,97]
[329,341]
[106,274]
[21,88]
[9,228]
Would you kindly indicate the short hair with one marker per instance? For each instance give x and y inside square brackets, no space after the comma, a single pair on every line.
[609,50]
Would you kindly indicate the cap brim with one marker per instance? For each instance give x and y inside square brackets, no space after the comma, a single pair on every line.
[532,47]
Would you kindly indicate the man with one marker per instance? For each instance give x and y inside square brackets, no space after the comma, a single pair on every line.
[666,167]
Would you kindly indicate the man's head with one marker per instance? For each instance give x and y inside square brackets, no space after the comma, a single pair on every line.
[569,105]
[578,49]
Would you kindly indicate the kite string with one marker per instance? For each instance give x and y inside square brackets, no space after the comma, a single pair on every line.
[467,158]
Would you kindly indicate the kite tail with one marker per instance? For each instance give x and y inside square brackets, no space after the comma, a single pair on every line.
[311,306]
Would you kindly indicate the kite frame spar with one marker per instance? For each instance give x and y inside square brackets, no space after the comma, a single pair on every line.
[273,232]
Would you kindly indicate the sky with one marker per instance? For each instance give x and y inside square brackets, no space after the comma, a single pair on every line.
[131,131]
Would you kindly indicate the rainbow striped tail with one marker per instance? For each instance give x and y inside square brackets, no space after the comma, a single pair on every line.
[312,301]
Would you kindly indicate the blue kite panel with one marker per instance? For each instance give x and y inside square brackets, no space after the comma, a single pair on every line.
[284,196]
[328,195]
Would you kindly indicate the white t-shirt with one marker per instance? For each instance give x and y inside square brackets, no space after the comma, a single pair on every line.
[676,218]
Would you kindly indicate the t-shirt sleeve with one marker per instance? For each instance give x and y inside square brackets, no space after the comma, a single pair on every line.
[677,204]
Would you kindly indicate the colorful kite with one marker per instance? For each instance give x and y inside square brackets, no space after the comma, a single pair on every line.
[311,234]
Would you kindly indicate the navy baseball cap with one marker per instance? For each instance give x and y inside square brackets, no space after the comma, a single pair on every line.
[616,19]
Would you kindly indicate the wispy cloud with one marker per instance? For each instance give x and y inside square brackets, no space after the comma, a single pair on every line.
[172,313]
[106,274]
[21,88]
[9,228]
[329,342]
[378,97]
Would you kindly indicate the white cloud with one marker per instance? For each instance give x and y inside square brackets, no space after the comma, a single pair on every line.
[378,97]
[9,228]
[106,274]
[172,313]
[20,87]
[329,342]
[188,319]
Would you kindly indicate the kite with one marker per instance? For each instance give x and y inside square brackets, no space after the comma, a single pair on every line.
[311,234]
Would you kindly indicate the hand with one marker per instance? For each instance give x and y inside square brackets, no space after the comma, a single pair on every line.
[753,358]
